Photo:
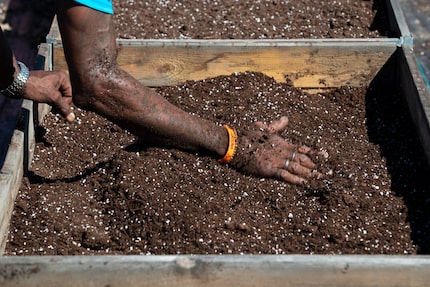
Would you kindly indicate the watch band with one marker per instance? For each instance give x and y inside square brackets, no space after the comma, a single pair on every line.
[16,89]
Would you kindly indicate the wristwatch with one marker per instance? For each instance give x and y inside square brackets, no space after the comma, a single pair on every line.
[16,89]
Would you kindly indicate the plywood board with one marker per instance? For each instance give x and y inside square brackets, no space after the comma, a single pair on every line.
[13,169]
[311,64]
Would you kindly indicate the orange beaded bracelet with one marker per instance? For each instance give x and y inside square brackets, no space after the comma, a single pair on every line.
[232,145]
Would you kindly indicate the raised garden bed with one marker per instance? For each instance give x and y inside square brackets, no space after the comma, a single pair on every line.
[244,215]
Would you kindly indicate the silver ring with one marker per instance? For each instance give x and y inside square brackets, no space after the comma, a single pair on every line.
[293,156]
[287,163]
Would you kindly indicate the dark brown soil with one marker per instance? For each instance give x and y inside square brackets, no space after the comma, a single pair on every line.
[96,189]
[234,19]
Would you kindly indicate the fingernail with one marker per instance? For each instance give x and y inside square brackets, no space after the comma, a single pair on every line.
[71,117]
[324,153]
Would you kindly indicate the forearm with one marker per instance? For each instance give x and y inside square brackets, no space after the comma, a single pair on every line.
[152,118]
[103,87]
[169,126]
[9,67]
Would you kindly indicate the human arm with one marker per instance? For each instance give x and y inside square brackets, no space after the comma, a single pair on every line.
[101,86]
[53,88]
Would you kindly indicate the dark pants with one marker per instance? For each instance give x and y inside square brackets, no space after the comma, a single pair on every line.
[30,22]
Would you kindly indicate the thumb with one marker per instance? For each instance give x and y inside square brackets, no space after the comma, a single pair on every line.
[274,126]
[66,110]
[278,125]
[71,116]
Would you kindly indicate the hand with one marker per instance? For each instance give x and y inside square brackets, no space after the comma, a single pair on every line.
[264,153]
[53,88]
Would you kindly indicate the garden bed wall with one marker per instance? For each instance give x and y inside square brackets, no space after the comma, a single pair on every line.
[20,152]
[208,271]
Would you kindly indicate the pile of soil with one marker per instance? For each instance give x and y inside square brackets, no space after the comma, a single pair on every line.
[96,189]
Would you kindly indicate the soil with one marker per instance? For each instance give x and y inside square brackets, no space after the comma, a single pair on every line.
[235,19]
[96,189]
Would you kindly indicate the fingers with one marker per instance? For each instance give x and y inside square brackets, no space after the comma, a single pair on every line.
[53,88]
[277,157]
[291,178]
[65,86]
[304,160]
[301,153]
[63,107]
[69,115]
[295,164]
[65,98]
[278,125]
[274,126]
[294,171]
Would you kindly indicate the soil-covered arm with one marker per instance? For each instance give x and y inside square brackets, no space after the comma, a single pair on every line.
[101,86]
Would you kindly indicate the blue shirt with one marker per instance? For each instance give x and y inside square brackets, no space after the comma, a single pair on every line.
[100,5]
